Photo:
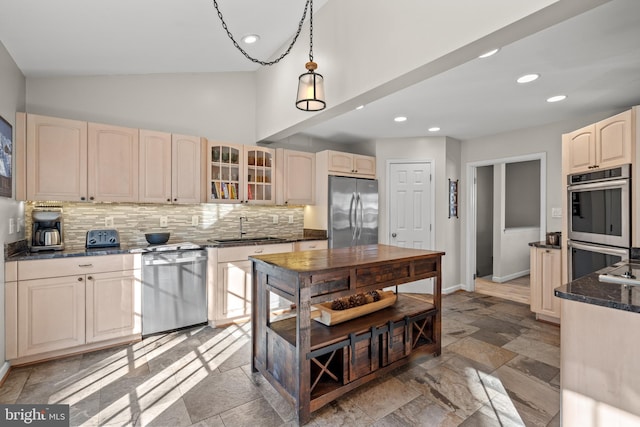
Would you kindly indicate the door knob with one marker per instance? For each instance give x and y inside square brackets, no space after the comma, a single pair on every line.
[393,234]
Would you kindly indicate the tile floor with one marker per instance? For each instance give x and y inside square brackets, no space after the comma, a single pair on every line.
[499,367]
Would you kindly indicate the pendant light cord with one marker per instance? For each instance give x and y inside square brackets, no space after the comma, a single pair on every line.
[275,61]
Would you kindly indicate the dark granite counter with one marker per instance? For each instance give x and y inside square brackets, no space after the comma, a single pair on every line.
[25,255]
[544,245]
[590,290]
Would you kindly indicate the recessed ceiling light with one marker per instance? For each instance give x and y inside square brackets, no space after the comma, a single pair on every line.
[434,129]
[400,119]
[359,107]
[488,54]
[557,98]
[250,38]
[528,78]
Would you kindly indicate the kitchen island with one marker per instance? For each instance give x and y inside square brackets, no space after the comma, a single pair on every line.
[600,351]
[311,364]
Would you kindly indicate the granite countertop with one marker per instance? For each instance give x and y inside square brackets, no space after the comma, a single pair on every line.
[590,290]
[544,245]
[127,249]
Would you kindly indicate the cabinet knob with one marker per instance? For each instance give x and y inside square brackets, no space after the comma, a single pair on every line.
[393,234]
[91,198]
[82,198]
[168,200]
[175,200]
[79,279]
[89,277]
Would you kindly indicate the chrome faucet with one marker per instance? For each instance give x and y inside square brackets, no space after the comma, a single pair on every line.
[242,233]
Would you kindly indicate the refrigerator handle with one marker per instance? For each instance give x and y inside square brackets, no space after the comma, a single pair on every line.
[353,216]
[361,216]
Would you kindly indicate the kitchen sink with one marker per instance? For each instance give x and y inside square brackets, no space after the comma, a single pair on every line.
[248,240]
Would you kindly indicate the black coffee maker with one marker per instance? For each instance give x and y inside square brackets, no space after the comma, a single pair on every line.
[46,233]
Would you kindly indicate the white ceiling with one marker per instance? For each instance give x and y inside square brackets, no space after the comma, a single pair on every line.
[593,58]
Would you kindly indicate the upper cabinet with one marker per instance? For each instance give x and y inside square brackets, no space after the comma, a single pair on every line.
[113,163]
[169,168]
[605,144]
[351,164]
[259,175]
[240,174]
[56,159]
[296,177]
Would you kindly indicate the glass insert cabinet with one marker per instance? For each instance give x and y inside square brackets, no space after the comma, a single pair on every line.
[240,174]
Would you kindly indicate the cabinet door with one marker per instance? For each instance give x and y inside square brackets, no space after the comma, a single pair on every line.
[310,245]
[113,163]
[582,151]
[224,171]
[185,169]
[113,305]
[259,174]
[235,297]
[545,277]
[364,165]
[56,159]
[340,162]
[155,167]
[51,314]
[299,177]
[614,139]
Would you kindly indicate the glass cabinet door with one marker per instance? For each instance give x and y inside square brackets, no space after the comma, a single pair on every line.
[259,175]
[224,173]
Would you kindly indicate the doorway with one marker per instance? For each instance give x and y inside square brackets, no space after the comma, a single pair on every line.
[506,211]
[411,211]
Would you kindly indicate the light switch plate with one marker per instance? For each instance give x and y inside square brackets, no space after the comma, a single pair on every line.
[274,218]
[12,225]
[108,221]
[194,220]
[556,212]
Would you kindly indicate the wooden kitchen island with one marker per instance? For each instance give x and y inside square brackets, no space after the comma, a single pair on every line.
[311,364]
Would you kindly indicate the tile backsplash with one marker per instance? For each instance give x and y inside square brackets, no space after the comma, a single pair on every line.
[214,221]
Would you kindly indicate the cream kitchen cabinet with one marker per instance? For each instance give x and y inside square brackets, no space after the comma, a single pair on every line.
[225,172]
[259,173]
[350,164]
[112,163]
[546,270]
[229,272]
[170,168]
[310,245]
[607,143]
[295,177]
[67,305]
[56,158]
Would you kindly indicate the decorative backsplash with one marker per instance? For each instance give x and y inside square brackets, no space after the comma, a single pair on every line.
[214,221]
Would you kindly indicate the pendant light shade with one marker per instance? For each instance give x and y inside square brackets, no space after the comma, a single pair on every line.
[311,90]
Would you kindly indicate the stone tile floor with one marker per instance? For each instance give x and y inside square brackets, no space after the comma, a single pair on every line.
[499,367]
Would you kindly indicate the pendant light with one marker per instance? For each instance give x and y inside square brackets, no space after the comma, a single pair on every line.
[310,84]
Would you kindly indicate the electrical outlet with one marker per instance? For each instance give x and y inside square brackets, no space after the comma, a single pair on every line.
[274,218]
[108,221]
[12,225]
[290,219]
[194,220]
[164,221]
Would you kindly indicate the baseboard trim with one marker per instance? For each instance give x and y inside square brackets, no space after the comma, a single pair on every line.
[451,289]
[510,276]
[4,372]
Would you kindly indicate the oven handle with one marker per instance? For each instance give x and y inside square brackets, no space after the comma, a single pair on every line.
[596,185]
[624,253]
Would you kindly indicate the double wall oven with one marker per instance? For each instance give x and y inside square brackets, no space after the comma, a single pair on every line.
[599,220]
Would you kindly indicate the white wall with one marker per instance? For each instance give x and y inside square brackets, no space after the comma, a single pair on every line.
[12,88]
[444,153]
[362,66]
[547,139]
[219,106]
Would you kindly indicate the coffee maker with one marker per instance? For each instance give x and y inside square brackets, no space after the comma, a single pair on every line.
[46,233]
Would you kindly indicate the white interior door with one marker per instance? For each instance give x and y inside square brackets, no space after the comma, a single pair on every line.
[410,211]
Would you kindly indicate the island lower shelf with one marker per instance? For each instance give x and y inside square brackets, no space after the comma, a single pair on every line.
[345,353]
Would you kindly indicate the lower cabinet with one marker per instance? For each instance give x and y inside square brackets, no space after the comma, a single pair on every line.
[113,305]
[53,316]
[546,275]
[235,279]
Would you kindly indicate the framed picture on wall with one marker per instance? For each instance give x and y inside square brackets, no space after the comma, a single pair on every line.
[6,155]
[453,198]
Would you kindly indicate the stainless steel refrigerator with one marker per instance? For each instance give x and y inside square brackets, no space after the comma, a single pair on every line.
[353,212]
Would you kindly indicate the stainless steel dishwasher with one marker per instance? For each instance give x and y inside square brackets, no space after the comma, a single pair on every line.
[174,288]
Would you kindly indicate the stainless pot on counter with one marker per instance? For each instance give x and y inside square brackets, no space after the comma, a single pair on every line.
[48,237]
